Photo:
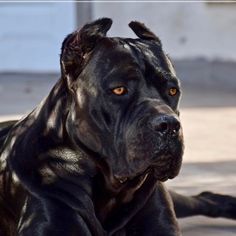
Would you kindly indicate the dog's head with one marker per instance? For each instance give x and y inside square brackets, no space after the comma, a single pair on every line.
[124,100]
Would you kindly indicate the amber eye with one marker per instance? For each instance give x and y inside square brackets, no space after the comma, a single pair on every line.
[173,91]
[119,91]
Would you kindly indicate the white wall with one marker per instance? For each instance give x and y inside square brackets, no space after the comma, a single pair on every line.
[188,30]
[31,35]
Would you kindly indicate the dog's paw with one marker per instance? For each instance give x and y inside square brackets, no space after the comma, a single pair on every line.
[225,205]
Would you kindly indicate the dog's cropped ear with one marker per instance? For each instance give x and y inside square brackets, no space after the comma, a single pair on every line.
[143,32]
[77,45]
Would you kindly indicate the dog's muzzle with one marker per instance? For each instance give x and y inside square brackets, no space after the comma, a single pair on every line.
[152,143]
[168,160]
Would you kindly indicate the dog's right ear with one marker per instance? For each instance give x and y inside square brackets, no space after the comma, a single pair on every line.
[79,44]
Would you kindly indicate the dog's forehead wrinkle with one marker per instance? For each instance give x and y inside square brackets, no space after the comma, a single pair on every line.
[128,73]
[124,66]
[133,44]
[149,55]
[117,48]
[155,56]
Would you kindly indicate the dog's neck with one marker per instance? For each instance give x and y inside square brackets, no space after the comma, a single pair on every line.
[38,146]
[130,199]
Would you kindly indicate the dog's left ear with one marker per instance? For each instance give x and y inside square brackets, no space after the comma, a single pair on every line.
[77,45]
[143,32]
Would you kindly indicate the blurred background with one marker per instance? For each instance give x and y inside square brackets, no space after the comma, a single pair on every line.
[199,37]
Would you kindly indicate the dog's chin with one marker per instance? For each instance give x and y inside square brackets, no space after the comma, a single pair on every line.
[167,167]
[165,176]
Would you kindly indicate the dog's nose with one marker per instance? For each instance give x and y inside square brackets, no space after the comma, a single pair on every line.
[166,124]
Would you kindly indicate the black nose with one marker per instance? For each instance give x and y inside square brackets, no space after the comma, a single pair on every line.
[166,124]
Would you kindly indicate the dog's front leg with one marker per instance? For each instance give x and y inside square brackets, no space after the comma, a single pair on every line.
[206,203]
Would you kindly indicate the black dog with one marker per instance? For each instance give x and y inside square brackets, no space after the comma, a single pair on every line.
[91,158]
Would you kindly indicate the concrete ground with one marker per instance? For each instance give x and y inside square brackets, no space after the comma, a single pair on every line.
[208,115]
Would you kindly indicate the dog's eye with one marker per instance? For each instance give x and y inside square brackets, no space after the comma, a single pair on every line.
[173,91]
[119,90]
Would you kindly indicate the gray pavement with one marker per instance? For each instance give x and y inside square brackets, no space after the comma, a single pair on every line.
[208,115]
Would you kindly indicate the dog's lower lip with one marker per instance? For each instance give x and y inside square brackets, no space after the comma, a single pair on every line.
[124,180]
[121,180]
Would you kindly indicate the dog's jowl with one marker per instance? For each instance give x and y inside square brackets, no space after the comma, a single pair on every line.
[91,159]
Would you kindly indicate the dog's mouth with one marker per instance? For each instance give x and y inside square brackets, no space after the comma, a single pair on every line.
[160,159]
[165,167]
[131,181]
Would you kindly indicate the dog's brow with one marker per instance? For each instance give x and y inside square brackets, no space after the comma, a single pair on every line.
[128,73]
[163,76]
[158,73]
